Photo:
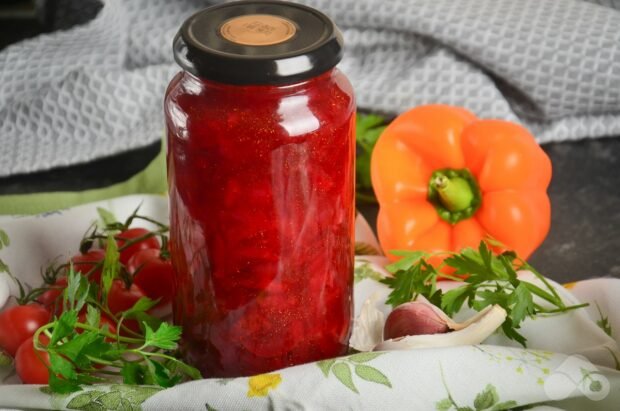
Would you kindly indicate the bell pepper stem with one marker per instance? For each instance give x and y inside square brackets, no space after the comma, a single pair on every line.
[455,193]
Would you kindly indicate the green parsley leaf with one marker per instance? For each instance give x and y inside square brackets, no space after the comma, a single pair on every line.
[93,316]
[522,304]
[490,280]
[64,326]
[191,372]
[410,258]
[61,366]
[160,374]
[111,266]
[106,216]
[165,337]
[133,373]
[62,386]
[142,305]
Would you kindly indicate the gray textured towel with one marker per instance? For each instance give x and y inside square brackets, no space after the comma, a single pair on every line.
[96,89]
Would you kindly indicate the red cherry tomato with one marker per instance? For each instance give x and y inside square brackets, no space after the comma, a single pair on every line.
[140,258]
[84,263]
[32,366]
[153,275]
[131,234]
[19,323]
[51,299]
[121,298]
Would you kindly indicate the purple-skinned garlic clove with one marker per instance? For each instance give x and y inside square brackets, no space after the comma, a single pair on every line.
[414,318]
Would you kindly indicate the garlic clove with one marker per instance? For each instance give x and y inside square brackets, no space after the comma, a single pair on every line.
[368,326]
[413,318]
[473,331]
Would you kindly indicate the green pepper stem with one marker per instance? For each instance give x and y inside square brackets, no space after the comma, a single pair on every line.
[454,193]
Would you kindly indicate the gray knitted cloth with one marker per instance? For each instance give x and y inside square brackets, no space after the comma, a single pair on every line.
[96,89]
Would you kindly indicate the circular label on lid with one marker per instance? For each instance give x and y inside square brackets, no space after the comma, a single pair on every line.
[258,29]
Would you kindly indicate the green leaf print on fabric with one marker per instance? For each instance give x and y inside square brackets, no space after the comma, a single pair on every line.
[371,374]
[365,270]
[117,397]
[343,373]
[345,368]
[363,357]
[4,239]
[486,400]
[603,323]
[325,366]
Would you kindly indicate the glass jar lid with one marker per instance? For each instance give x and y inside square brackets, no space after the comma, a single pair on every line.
[258,42]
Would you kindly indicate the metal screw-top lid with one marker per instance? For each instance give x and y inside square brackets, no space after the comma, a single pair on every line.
[258,42]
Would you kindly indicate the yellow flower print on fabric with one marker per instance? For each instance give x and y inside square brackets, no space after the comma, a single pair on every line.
[259,385]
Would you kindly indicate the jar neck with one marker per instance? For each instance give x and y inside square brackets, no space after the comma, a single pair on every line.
[261,88]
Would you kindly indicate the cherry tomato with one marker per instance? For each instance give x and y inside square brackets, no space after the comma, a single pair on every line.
[19,323]
[32,366]
[130,234]
[140,258]
[51,299]
[121,298]
[153,275]
[84,263]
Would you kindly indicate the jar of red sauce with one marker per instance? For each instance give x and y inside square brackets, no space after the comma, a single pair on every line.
[260,129]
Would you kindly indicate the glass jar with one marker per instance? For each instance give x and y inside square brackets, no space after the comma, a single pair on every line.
[261,146]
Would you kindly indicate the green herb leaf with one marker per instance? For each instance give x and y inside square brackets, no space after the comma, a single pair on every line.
[188,370]
[111,266]
[419,279]
[160,374]
[142,305]
[410,258]
[106,216]
[522,304]
[61,366]
[93,316]
[454,299]
[72,348]
[133,373]
[64,326]
[165,337]
[62,386]
[490,280]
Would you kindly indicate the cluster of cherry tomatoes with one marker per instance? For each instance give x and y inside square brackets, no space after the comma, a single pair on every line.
[149,274]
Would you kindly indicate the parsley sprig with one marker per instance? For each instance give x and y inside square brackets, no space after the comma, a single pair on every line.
[491,279]
[82,351]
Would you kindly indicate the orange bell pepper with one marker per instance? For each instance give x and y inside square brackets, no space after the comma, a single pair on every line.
[446,180]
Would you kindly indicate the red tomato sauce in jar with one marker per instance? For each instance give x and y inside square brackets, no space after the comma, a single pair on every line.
[261,179]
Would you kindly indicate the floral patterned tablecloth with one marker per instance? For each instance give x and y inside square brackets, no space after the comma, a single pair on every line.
[572,360]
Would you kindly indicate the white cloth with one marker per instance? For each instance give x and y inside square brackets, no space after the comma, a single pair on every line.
[96,89]
[570,361]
